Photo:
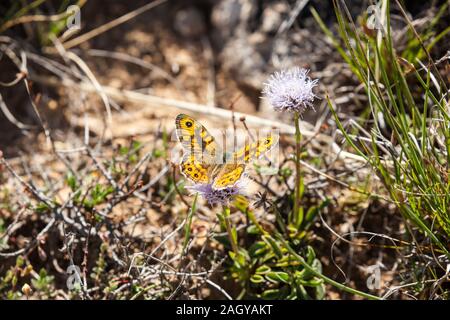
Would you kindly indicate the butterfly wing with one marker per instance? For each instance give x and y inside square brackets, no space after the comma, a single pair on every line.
[252,151]
[196,140]
[227,175]
[200,149]
[194,170]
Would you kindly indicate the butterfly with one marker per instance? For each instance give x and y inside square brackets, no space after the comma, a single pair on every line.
[204,161]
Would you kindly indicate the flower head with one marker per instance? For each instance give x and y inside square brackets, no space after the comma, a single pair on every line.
[290,90]
[219,196]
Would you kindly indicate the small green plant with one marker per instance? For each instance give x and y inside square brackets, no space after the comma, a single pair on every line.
[267,270]
[98,272]
[14,278]
[44,283]
[131,152]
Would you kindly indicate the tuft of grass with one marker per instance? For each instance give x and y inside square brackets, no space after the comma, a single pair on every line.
[408,145]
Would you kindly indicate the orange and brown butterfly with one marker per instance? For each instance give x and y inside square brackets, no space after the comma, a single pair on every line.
[204,162]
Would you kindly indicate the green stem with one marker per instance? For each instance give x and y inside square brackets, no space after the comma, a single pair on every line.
[298,179]
[226,219]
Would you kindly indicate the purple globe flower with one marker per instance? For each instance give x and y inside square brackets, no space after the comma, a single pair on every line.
[290,90]
[218,196]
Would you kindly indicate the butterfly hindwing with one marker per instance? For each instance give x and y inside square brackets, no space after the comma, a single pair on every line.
[228,174]
[194,170]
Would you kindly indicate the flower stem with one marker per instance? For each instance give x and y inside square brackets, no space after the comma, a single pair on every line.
[298,179]
[251,216]
[231,234]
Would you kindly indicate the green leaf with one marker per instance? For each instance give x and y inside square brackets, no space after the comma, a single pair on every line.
[252,229]
[256,278]
[99,194]
[20,261]
[306,274]
[314,210]
[42,207]
[320,292]
[310,255]
[263,269]
[278,276]
[314,282]
[286,172]
[158,153]
[317,266]
[271,294]
[258,249]
[275,247]
[123,150]
[71,181]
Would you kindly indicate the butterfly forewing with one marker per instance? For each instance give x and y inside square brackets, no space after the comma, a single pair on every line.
[196,140]
[254,150]
[228,174]
[200,149]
